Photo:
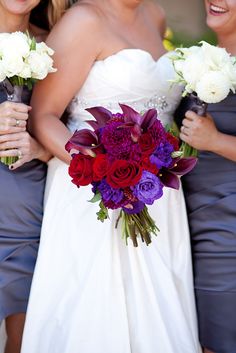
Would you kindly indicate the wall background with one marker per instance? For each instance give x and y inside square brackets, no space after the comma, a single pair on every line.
[187,19]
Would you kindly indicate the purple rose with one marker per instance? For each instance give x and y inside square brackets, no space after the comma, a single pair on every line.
[149,188]
[161,157]
[110,194]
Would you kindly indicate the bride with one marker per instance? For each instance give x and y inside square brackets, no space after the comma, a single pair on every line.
[91,292]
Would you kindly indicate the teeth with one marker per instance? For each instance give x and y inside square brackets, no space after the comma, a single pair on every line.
[217,9]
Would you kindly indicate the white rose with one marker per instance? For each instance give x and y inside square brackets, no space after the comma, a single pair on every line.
[216,58]
[213,87]
[12,65]
[3,37]
[42,48]
[25,72]
[2,73]
[15,43]
[40,65]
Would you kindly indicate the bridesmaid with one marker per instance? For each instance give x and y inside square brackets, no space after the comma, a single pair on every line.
[210,191]
[22,184]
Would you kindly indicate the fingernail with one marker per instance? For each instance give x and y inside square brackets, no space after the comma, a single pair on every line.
[11,167]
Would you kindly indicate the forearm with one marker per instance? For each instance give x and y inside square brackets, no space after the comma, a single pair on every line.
[225,146]
[53,135]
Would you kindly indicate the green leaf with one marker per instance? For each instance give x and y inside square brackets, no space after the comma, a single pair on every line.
[102,214]
[97,197]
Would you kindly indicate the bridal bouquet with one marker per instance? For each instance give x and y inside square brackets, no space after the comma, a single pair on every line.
[22,63]
[128,159]
[207,72]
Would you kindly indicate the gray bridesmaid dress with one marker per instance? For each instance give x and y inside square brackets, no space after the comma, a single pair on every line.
[210,191]
[21,211]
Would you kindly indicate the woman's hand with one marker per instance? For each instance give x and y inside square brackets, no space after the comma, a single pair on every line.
[24,146]
[13,117]
[199,132]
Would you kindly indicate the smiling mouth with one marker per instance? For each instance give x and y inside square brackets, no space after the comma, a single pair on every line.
[217,10]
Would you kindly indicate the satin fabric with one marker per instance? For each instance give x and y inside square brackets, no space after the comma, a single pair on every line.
[91,292]
[21,205]
[210,191]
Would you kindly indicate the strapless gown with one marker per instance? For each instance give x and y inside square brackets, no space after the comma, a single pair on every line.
[21,205]
[91,292]
[210,191]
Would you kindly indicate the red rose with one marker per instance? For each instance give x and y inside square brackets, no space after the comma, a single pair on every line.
[100,167]
[123,173]
[81,169]
[147,143]
[147,165]
[174,141]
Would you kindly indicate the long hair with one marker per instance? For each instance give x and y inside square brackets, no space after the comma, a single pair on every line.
[56,9]
[48,12]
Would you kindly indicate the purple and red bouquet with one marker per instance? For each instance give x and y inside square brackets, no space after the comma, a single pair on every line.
[128,159]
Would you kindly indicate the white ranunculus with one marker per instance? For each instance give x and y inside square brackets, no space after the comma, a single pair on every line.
[213,87]
[193,68]
[12,65]
[16,43]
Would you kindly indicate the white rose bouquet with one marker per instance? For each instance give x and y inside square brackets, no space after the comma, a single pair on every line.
[207,73]
[23,61]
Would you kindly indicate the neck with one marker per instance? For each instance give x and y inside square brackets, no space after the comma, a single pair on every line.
[228,42]
[125,10]
[12,23]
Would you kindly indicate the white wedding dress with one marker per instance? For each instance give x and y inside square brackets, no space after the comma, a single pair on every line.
[91,292]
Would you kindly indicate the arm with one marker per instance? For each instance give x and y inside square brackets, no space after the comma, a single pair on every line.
[77,43]
[201,133]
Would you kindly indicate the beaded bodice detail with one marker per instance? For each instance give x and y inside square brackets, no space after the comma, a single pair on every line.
[132,77]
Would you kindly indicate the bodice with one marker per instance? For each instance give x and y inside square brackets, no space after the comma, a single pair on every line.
[132,77]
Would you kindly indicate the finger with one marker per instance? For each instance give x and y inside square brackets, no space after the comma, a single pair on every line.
[9,153]
[187,123]
[12,137]
[191,115]
[18,107]
[17,164]
[184,130]
[184,137]
[19,116]
[4,131]
[11,144]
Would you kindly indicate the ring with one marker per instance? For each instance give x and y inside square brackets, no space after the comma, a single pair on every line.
[19,154]
[17,122]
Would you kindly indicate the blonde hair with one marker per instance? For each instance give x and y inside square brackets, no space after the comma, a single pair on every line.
[56,8]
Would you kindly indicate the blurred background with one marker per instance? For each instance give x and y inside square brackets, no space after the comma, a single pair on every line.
[186,18]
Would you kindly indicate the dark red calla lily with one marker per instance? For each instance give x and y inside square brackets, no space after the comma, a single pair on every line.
[102,115]
[86,141]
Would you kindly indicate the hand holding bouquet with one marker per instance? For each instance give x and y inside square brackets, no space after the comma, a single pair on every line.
[128,159]
[22,63]
[207,73]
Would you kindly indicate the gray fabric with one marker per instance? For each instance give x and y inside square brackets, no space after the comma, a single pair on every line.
[21,210]
[210,191]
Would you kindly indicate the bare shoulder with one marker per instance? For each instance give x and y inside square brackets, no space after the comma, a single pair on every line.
[157,13]
[83,17]
[39,34]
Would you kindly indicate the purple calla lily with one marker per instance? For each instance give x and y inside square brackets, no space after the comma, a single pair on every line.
[85,141]
[102,115]
[182,166]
